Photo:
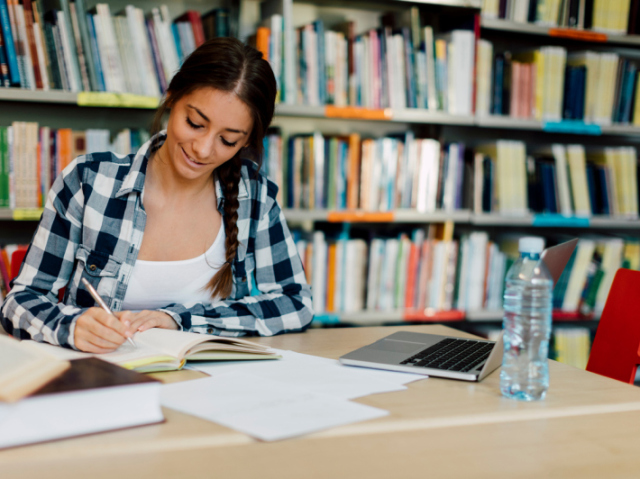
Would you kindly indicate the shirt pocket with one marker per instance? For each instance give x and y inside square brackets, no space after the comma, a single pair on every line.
[101,270]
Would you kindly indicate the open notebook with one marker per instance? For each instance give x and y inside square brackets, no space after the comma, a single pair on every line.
[167,350]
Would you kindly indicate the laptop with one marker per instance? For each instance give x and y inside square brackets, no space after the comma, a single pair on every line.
[446,356]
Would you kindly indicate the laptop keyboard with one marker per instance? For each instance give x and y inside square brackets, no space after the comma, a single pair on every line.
[451,354]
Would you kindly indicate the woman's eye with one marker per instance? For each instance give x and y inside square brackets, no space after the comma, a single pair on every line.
[226,143]
[192,124]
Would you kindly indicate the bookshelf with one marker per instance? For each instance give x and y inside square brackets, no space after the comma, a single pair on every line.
[574,34]
[60,109]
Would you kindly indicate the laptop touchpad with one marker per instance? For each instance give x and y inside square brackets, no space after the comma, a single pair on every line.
[397,346]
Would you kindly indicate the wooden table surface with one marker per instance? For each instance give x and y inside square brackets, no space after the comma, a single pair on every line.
[588,426]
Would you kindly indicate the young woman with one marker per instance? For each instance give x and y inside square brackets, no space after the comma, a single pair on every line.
[171,236]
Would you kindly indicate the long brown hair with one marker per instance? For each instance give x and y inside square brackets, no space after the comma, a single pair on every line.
[228,65]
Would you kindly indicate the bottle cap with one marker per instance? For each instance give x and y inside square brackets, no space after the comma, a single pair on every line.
[531,244]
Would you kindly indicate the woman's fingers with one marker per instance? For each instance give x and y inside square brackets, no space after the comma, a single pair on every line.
[87,347]
[98,331]
[140,319]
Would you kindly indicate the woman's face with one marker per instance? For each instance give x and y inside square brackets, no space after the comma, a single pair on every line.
[206,129]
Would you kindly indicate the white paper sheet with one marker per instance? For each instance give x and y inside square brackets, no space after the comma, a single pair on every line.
[263,408]
[317,374]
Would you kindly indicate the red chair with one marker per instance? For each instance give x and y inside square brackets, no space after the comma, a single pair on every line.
[17,257]
[615,350]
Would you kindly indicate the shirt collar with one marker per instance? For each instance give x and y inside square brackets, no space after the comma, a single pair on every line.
[134,181]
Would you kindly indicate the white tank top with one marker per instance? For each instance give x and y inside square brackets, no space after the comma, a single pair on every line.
[154,284]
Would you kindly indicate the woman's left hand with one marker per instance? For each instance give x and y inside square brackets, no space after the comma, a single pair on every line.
[143,320]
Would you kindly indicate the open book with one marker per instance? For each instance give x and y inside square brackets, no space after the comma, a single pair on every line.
[167,350]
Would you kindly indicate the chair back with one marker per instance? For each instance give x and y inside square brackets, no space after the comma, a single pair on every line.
[17,257]
[614,352]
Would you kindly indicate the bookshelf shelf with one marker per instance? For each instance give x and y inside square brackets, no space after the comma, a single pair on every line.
[412,216]
[297,216]
[607,222]
[501,25]
[589,36]
[369,317]
[407,115]
[451,3]
[502,121]
[38,96]
[484,315]
[418,115]
[491,219]
[283,109]
[620,130]
[359,216]
[300,216]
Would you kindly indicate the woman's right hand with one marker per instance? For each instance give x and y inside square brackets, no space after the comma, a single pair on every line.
[97,331]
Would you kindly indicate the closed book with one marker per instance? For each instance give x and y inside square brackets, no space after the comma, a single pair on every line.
[9,43]
[91,396]
[591,184]
[4,168]
[95,51]
[488,184]
[626,95]
[498,84]
[31,43]
[578,278]
[193,17]
[549,188]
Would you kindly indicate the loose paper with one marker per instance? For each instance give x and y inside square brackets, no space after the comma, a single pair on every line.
[317,374]
[263,408]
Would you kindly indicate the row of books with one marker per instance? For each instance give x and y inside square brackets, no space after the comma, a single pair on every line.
[382,174]
[430,270]
[59,44]
[572,346]
[31,157]
[315,171]
[400,64]
[618,16]
[416,271]
[565,179]
[549,84]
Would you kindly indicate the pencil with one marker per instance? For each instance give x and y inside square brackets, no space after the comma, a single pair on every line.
[101,303]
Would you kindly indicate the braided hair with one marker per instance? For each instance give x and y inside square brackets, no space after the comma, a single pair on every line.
[228,65]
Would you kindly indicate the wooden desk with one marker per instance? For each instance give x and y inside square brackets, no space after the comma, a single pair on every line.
[589,426]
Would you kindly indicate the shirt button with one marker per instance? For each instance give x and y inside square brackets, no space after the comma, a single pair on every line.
[210,330]
[93,267]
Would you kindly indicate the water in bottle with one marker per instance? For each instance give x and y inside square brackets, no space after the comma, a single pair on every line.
[527,324]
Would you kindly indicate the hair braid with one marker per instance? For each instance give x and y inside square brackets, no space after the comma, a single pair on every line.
[229,175]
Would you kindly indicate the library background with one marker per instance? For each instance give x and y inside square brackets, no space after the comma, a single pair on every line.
[414,141]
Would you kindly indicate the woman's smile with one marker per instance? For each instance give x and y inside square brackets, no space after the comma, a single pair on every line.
[190,161]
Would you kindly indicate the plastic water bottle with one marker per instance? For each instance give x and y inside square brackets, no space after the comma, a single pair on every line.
[527,324]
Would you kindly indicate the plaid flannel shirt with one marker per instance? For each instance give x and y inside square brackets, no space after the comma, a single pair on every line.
[92,227]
